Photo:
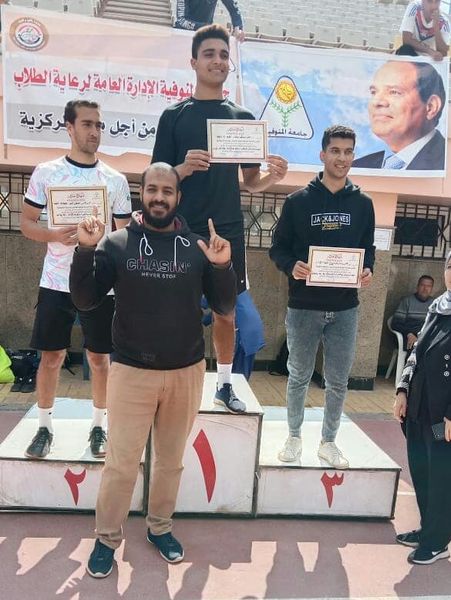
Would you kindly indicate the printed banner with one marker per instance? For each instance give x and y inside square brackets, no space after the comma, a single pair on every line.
[134,72]
[397,105]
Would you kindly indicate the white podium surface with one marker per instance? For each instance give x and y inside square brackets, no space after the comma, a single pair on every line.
[231,465]
[312,488]
[69,477]
[221,459]
[221,455]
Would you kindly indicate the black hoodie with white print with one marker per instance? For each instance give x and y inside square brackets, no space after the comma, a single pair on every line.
[158,280]
[314,216]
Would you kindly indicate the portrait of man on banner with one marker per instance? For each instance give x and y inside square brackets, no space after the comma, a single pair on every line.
[397,105]
[406,102]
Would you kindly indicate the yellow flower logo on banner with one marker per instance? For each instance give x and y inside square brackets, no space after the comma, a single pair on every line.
[286,92]
[285,111]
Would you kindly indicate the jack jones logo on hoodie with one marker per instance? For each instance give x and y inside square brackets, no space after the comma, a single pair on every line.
[330,221]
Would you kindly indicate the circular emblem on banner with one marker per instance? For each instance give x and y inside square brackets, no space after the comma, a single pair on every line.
[286,92]
[28,34]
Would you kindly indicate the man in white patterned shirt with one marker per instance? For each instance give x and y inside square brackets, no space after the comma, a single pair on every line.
[425,30]
[55,312]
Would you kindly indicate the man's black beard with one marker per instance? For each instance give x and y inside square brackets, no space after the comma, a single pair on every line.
[158,222]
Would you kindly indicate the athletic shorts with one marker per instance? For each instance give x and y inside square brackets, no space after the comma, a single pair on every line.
[55,317]
[238,249]
[239,263]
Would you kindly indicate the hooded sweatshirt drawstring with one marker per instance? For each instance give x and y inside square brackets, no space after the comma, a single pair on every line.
[144,248]
[186,243]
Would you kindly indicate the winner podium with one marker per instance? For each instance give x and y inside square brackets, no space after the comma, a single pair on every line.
[231,465]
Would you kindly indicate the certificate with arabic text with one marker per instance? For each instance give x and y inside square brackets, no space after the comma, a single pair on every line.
[237,140]
[70,205]
[335,267]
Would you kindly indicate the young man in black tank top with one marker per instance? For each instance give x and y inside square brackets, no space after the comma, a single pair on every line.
[212,190]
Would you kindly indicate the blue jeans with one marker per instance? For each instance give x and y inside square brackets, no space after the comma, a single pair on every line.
[305,329]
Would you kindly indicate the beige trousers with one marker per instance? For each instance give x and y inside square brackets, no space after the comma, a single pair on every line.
[138,400]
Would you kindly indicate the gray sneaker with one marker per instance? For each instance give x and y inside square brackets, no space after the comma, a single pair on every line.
[227,398]
[40,444]
[329,452]
[292,449]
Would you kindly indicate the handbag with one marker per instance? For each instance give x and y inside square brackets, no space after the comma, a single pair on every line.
[438,431]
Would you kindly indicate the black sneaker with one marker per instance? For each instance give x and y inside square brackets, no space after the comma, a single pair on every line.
[421,556]
[170,549]
[29,385]
[17,385]
[40,444]
[97,442]
[226,397]
[411,538]
[100,562]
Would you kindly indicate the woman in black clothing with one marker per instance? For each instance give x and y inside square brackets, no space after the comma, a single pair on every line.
[423,400]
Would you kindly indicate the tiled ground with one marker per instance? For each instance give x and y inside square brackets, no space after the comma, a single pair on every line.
[269,389]
[43,556]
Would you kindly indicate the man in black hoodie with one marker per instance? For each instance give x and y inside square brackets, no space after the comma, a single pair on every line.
[159,270]
[330,211]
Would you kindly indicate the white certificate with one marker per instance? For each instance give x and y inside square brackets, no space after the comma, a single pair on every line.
[335,267]
[237,140]
[70,205]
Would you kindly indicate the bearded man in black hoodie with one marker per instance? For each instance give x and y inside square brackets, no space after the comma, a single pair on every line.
[159,270]
[329,212]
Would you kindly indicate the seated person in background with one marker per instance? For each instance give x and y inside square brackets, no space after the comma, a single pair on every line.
[411,312]
[193,14]
[425,30]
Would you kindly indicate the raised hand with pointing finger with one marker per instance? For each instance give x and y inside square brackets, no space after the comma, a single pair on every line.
[91,230]
[218,250]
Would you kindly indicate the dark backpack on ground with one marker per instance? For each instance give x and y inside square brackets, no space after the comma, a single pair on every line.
[24,364]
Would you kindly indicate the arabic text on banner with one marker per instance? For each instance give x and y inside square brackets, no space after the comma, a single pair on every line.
[134,72]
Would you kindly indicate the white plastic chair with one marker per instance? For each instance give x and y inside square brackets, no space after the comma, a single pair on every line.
[399,355]
[325,35]
[379,41]
[350,38]
[51,5]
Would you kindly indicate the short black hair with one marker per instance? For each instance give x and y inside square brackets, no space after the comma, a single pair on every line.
[207,32]
[162,167]
[425,277]
[70,110]
[429,83]
[406,50]
[340,131]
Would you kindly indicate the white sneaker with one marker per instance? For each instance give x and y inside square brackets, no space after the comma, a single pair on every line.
[292,449]
[329,452]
